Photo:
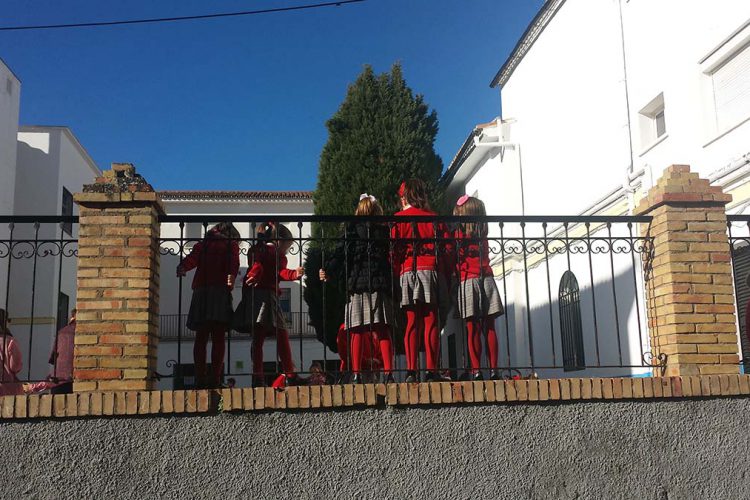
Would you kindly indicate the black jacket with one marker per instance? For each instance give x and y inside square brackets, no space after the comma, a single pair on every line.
[364,261]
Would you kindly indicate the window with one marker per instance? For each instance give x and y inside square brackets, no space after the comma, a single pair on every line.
[67,210]
[652,122]
[63,304]
[9,86]
[571,329]
[731,89]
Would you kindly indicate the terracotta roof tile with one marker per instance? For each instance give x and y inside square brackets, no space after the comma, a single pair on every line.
[235,195]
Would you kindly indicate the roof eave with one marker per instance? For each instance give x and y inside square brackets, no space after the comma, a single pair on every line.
[524,44]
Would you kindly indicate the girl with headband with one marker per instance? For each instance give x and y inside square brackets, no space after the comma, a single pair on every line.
[478,299]
[418,264]
[363,255]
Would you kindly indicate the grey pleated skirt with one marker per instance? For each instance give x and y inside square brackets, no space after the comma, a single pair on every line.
[368,309]
[419,287]
[258,307]
[210,305]
[477,297]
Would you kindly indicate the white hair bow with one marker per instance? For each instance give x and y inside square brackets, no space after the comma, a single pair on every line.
[365,195]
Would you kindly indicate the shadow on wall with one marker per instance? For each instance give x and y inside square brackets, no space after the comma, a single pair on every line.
[612,341]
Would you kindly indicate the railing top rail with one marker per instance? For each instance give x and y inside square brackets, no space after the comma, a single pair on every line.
[738,218]
[42,219]
[555,219]
[208,218]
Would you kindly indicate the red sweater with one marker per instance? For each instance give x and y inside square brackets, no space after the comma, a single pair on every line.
[261,263]
[472,263]
[214,260]
[406,258]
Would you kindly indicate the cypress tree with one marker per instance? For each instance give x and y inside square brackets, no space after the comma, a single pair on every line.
[381,134]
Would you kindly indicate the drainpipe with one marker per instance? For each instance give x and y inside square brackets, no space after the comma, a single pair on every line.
[510,145]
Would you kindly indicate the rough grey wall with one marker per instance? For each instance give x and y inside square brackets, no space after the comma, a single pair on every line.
[645,450]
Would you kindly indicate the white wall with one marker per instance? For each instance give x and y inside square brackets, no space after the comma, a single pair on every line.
[9,108]
[568,99]
[671,45]
[48,159]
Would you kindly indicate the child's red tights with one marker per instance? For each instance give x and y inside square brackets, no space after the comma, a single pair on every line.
[378,333]
[421,319]
[283,350]
[474,328]
[217,352]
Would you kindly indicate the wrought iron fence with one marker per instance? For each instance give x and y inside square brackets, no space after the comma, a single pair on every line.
[38,269]
[739,242]
[572,290]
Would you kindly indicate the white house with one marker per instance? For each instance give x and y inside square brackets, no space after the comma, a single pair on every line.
[10,98]
[284,206]
[598,97]
[51,165]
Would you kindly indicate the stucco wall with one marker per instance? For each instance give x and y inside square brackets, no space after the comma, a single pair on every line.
[650,450]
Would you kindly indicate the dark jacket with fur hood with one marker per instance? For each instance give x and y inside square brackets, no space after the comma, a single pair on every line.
[364,261]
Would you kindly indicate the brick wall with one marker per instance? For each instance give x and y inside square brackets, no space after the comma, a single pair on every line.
[118,283]
[689,291]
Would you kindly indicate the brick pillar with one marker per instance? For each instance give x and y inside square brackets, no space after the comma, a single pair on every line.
[689,290]
[118,283]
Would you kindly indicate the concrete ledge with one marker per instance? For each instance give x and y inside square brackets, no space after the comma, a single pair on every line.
[106,404]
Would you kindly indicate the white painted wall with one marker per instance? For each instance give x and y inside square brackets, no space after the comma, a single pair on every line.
[671,47]
[10,93]
[568,99]
[48,159]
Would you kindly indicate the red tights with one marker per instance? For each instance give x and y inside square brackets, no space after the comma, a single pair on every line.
[376,334]
[283,350]
[421,319]
[217,352]
[474,328]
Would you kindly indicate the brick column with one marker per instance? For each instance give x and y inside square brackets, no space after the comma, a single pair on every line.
[118,283]
[689,290]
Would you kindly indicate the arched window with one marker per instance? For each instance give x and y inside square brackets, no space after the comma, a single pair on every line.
[571,329]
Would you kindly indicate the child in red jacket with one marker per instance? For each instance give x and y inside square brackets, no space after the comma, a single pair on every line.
[418,264]
[217,262]
[478,300]
[259,312]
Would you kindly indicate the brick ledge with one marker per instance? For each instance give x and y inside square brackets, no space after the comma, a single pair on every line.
[95,404]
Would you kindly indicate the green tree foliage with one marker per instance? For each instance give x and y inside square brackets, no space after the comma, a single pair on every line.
[381,134]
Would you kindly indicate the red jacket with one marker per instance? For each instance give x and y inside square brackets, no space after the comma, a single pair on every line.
[261,263]
[472,263]
[406,258]
[214,259]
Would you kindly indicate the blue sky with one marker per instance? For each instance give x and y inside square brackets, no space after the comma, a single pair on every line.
[241,103]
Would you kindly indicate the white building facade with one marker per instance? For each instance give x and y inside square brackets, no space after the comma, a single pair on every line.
[598,98]
[51,165]
[10,99]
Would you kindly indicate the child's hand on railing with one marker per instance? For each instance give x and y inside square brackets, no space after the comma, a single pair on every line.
[300,272]
[251,280]
[322,275]
[230,281]
[180,272]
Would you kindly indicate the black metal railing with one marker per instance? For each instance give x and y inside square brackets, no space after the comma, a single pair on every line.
[38,269]
[572,290]
[739,244]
